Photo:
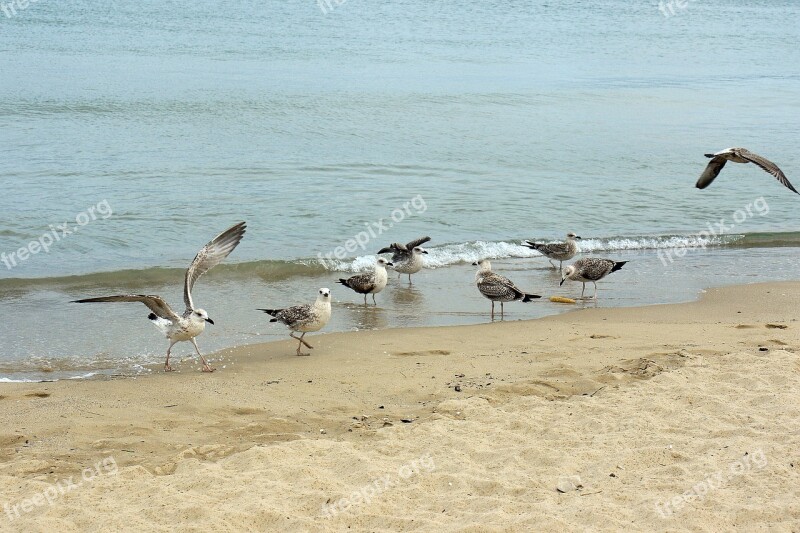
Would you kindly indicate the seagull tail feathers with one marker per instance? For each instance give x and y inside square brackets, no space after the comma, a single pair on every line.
[618,265]
[529,297]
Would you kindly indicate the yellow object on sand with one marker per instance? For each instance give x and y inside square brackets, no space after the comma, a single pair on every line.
[562,300]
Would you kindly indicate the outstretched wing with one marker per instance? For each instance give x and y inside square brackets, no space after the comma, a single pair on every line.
[210,256]
[154,303]
[711,172]
[767,166]
[413,244]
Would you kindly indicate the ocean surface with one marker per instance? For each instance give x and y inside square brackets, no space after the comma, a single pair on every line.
[131,133]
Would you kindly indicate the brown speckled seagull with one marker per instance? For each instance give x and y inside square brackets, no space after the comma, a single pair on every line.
[739,155]
[305,318]
[590,269]
[498,288]
[192,323]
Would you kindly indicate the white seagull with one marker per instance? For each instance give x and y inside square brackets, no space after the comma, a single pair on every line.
[498,288]
[305,318]
[193,321]
[739,155]
[590,269]
[371,282]
[407,258]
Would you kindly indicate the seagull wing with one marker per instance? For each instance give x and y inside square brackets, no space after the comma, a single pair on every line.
[210,256]
[768,166]
[711,172]
[154,303]
[413,244]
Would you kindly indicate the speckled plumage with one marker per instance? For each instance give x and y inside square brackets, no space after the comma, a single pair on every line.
[304,318]
[370,282]
[498,288]
[590,269]
[407,258]
[560,251]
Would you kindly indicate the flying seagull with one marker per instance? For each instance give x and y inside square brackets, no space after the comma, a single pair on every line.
[590,269]
[739,155]
[193,321]
[560,251]
[371,282]
[304,318]
[407,258]
[498,288]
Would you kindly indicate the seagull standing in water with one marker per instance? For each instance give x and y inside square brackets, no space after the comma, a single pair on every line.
[739,155]
[560,251]
[192,323]
[590,269]
[305,318]
[371,282]
[498,288]
[407,258]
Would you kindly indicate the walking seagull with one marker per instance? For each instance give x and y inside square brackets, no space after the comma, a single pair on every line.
[305,318]
[560,251]
[739,155]
[498,288]
[193,321]
[590,269]
[371,282]
[407,258]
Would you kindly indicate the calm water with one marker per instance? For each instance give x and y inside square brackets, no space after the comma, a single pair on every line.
[504,120]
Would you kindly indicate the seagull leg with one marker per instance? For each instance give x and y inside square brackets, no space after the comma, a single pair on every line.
[373,299]
[492,310]
[595,290]
[365,298]
[551,262]
[409,279]
[583,290]
[167,367]
[206,368]
[300,338]
[501,310]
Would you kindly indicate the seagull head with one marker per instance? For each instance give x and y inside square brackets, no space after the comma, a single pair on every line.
[570,270]
[202,315]
[484,264]
[419,250]
[324,294]
[572,235]
[384,263]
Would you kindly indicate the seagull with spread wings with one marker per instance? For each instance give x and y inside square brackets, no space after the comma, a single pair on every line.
[186,327]
[739,155]
[407,258]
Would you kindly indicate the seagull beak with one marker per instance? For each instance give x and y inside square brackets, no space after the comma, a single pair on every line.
[578,237]
[475,263]
[424,251]
[210,321]
[562,281]
[390,264]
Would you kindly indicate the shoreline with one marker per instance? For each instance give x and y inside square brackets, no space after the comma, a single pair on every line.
[564,392]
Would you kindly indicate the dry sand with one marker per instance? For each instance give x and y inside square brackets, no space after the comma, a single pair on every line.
[668,418]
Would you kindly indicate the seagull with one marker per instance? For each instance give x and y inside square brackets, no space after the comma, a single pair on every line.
[305,318]
[560,251]
[739,155]
[371,282]
[407,258]
[498,288]
[590,269]
[193,321]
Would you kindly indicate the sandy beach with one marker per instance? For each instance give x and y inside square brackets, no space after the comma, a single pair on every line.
[665,418]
